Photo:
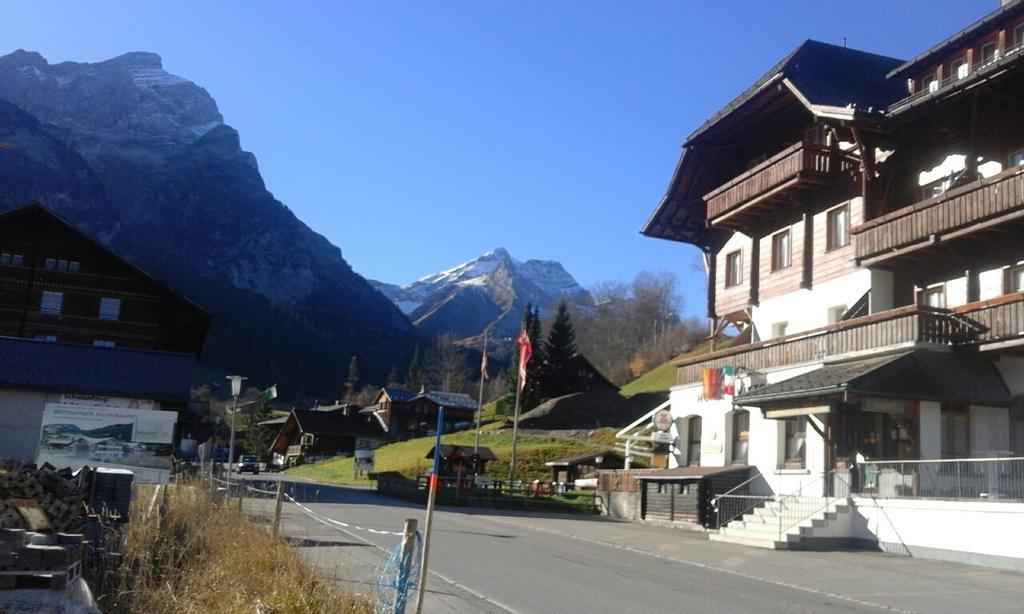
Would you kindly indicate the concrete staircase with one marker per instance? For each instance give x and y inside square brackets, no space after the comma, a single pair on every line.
[760,526]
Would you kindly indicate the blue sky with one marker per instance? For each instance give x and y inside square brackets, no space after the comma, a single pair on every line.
[418,135]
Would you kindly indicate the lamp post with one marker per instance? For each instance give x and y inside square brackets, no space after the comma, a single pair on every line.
[236,389]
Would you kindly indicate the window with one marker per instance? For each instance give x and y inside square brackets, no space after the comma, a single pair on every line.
[781,250]
[62,265]
[989,53]
[779,329]
[51,302]
[956,423]
[934,296]
[1018,36]
[796,438]
[5,258]
[17,260]
[49,338]
[733,269]
[110,308]
[930,83]
[958,68]
[740,436]
[73,266]
[103,343]
[838,227]
[51,263]
[1015,279]
[693,432]
[835,314]
[1017,158]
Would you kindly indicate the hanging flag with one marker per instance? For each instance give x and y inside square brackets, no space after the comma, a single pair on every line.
[712,383]
[525,351]
[483,367]
[270,393]
[729,380]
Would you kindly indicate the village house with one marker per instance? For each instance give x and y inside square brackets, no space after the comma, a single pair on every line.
[325,431]
[403,414]
[860,222]
[80,326]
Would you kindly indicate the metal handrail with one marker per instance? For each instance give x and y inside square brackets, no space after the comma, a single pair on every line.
[795,509]
[741,504]
[957,479]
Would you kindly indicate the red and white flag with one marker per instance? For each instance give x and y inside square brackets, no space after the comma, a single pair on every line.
[525,351]
[483,367]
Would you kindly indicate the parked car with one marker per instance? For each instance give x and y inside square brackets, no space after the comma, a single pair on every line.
[249,463]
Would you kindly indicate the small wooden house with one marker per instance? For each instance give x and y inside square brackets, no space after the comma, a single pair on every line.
[308,433]
[582,465]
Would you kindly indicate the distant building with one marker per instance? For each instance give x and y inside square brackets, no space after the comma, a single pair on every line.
[404,415]
[309,433]
[80,325]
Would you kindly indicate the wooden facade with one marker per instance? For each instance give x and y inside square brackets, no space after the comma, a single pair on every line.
[57,284]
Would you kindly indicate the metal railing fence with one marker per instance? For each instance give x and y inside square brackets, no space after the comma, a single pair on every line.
[741,499]
[958,479]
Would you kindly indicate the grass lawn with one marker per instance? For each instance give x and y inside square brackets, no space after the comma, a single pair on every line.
[409,457]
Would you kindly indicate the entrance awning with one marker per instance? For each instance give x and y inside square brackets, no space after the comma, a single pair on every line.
[684,474]
[923,375]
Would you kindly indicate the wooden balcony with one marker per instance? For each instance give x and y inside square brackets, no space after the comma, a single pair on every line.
[1002,319]
[970,209]
[905,326]
[798,166]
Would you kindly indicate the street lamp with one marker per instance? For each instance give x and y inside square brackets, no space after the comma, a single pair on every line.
[236,389]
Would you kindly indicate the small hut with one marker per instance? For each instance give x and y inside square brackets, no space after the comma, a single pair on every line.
[457,461]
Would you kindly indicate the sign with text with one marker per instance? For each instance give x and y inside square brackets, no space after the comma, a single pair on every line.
[108,436]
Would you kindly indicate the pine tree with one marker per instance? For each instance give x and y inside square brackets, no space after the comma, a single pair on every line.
[559,350]
[394,380]
[258,437]
[352,380]
[414,379]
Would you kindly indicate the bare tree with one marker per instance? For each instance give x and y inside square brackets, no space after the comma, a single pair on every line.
[446,366]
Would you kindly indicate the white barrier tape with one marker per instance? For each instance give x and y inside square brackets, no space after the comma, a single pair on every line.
[338,523]
[265,492]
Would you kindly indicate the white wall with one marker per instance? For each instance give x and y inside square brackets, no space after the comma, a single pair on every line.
[882,286]
[990,431]
[931,430]
[979,527]
[808,309]
[766,447]
[21,420]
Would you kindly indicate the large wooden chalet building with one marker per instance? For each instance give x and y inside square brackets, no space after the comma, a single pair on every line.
[861,222]
[80,325]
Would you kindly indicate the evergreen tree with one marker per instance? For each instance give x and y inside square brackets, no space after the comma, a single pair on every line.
[258,437]
[559,350]
[352,384]
[414,379]
[394,380]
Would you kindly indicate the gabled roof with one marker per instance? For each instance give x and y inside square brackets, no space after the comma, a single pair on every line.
[449,399]
[399,395]
[122,372]
[483,452]
[826,78]
[918,374]
[995,18]
[335,423]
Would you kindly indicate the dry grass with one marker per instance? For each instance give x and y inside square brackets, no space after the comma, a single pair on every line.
[207,558]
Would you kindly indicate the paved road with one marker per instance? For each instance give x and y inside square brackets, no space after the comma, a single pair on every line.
[494,561]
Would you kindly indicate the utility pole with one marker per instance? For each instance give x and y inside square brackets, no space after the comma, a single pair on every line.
[431,496]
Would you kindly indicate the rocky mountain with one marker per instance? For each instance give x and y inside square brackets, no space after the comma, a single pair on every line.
[490,292]
[143,160]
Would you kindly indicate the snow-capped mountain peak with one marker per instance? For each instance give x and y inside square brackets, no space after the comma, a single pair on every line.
[489,292]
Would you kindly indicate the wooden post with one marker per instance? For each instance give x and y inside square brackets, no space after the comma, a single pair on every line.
[405,563]
[241,493]
[431,497]
[277,507]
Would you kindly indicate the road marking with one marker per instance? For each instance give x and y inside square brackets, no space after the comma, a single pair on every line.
[732,572]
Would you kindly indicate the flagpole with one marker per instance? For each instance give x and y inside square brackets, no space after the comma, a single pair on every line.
[480,399]
[515,432]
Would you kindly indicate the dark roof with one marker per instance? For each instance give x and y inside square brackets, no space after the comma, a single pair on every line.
[450,399]
[335,423]
[919,374]
[398,394]
[455,400]
[996,17]
[688,473]
[582,458]
[67,367]
[828,76]
[483,452]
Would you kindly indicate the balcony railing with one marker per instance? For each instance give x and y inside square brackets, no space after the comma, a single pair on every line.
[958,211]
[784,169]
[959,479]
[893,328]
